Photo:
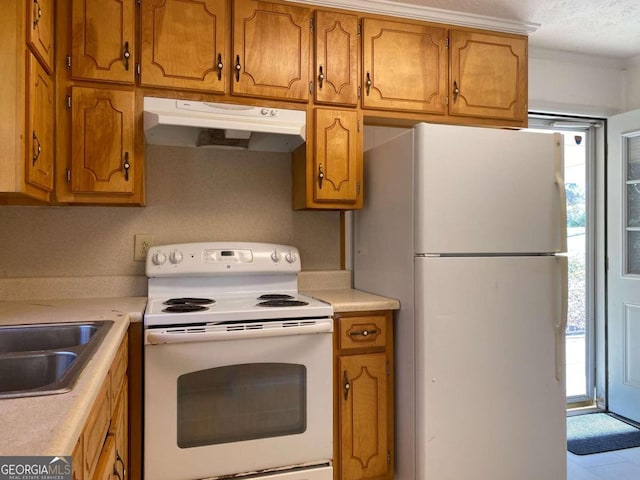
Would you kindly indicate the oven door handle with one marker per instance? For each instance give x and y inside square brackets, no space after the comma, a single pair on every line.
[161,336]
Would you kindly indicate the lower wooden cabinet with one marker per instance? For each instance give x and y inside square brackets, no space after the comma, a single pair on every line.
[363,383]
[101,452]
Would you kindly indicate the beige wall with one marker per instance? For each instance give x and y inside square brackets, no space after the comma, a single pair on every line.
[192,195]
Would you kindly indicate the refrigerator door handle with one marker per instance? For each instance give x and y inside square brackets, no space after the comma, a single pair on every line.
[561,324]
[562,193]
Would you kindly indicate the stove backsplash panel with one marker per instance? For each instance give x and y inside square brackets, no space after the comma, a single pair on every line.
[192,195]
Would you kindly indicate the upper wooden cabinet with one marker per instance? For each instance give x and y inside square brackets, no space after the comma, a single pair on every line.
[336,58]
[103,40]
[40,132]
[40,17]
[184,44]
[405,66]
[488,75]
[327,170]
[102,141]
[270,55]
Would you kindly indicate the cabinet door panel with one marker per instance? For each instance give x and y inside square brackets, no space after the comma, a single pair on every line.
[40,31]
[337,151]
[363,416]
[270,50]
[184,44]
[405,66]
[488,75]
[40,132]
[103,40]
[336,67]
[102,134]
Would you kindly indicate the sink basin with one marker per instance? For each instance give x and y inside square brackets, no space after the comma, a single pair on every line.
[28,338]
[32,371]
[46,359]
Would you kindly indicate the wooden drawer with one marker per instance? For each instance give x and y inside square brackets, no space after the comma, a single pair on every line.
[362,332]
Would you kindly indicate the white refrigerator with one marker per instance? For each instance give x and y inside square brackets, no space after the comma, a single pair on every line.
[463,225]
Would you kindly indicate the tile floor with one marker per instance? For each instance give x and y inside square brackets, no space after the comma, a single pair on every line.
[616,465]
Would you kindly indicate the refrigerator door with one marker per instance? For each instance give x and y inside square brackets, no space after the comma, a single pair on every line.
[481,190]
[490,368]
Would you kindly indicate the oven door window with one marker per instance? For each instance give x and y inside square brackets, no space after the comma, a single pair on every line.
[241,402]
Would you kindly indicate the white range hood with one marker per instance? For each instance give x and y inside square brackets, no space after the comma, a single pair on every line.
[205,124]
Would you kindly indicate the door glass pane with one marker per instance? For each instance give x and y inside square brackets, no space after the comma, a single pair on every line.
[632,250]
[241,402]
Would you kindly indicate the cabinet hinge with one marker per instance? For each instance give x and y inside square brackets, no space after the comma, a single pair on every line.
[311,24]
[446,100]
[388,457]
[359,91]
[358,191]
[67,101]
[68,62]
[359,29]
[138,69]
[310,87]
[358,125]
[68,176]
[446,42]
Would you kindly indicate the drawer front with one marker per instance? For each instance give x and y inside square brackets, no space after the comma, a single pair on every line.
[362,332]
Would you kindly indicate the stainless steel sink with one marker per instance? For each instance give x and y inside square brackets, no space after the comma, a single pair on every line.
[28,338]
[46,359]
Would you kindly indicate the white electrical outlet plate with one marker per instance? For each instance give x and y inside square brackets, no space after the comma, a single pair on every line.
[141,245]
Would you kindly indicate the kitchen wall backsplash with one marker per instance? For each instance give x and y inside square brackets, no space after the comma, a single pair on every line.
[192,195]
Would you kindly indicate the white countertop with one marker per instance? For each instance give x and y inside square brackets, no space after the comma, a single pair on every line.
[350,300]
[51,424]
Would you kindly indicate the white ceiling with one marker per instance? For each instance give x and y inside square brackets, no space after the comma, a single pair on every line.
[609,28]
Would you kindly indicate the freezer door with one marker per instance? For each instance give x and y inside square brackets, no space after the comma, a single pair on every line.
[481,190]
[489,369]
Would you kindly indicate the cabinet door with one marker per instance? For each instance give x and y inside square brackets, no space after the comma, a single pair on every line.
[405,66]
[119,430]
[270,50]
[338,156]
[363,416]
[103,40]
[336,58]
[40,132]
[488,75]
[102,136]
[106,467]
[184,44]
[40,31]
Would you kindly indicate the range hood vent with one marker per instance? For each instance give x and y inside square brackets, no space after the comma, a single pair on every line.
[222,125]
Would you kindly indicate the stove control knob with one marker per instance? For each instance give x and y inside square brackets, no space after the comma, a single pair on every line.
[159,258]
[175,257]
[290,257]
[275,256]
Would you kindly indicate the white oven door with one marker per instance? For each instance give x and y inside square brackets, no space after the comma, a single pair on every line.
[223,407]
